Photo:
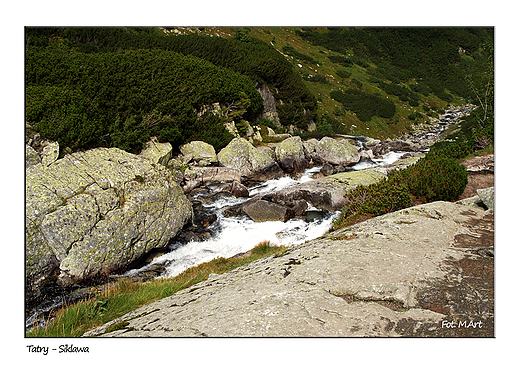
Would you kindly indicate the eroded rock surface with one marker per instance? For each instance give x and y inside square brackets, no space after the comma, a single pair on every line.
[422,271]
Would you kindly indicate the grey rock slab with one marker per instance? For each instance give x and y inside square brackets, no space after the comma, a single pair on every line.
[336,285]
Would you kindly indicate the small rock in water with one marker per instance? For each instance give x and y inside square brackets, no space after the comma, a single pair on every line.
[313,215]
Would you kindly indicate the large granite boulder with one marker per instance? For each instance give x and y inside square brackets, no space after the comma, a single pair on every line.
[201,152]
[290,154]
[157,152]
[95,212]
[337,152]
[253,164]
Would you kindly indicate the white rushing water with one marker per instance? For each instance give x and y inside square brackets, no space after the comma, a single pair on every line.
[240,234]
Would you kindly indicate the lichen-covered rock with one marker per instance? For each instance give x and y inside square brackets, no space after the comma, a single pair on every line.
[337,152]
[50,153]
[290,147]
[310,147]
[97,211]
[157,152]
[31,156]
[199,151]
[241,155]
[290,154]
[487,196]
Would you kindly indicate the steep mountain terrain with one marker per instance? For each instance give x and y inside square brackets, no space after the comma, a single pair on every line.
[117,87]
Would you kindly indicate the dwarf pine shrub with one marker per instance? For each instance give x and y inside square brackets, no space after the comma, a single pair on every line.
[435,177]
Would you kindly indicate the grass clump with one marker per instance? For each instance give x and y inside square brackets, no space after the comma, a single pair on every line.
[127,295]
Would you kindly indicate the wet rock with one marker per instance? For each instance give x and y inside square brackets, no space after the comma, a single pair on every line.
[238,190]
[208,220]
[263,211]
[327,169]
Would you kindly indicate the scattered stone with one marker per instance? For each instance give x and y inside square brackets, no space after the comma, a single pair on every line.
[50,153]
[263,211]
[160,153]
[239,190]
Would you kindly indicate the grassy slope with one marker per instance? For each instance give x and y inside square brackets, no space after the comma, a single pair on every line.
[376,127]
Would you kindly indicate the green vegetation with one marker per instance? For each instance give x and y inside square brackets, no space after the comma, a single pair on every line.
[365,105]
[122,99]
[126,295]
[437,176]
[119,86]
[306,69]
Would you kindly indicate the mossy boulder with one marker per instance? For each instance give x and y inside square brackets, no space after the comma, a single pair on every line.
[201,152]
[96,212]
[290,154]
[241,155]
[157,152]
[337,152]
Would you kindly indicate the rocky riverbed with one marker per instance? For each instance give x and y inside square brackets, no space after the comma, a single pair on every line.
[96,186]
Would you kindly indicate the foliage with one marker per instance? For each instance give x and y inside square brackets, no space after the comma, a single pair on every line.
[435,177]
[243,54]
[121,99]
[290,51]
[365,105]
[436,56]
[373,200]
[438,176]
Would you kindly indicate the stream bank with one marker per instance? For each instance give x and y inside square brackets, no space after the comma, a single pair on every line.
[210,225]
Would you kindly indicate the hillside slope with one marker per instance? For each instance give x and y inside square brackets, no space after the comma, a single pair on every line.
[377,82]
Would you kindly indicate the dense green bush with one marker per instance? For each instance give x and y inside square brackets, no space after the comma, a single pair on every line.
[290,51]
[376,199]
[401,54]
[121,99]
[435,177]
[365,105]
[455,150]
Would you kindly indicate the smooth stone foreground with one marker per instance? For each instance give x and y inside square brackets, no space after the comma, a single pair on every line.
[423,271]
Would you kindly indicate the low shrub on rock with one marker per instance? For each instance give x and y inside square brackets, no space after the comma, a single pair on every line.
[376,199]
[435,177]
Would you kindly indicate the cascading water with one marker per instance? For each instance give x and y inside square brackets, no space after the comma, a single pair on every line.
[235,235]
